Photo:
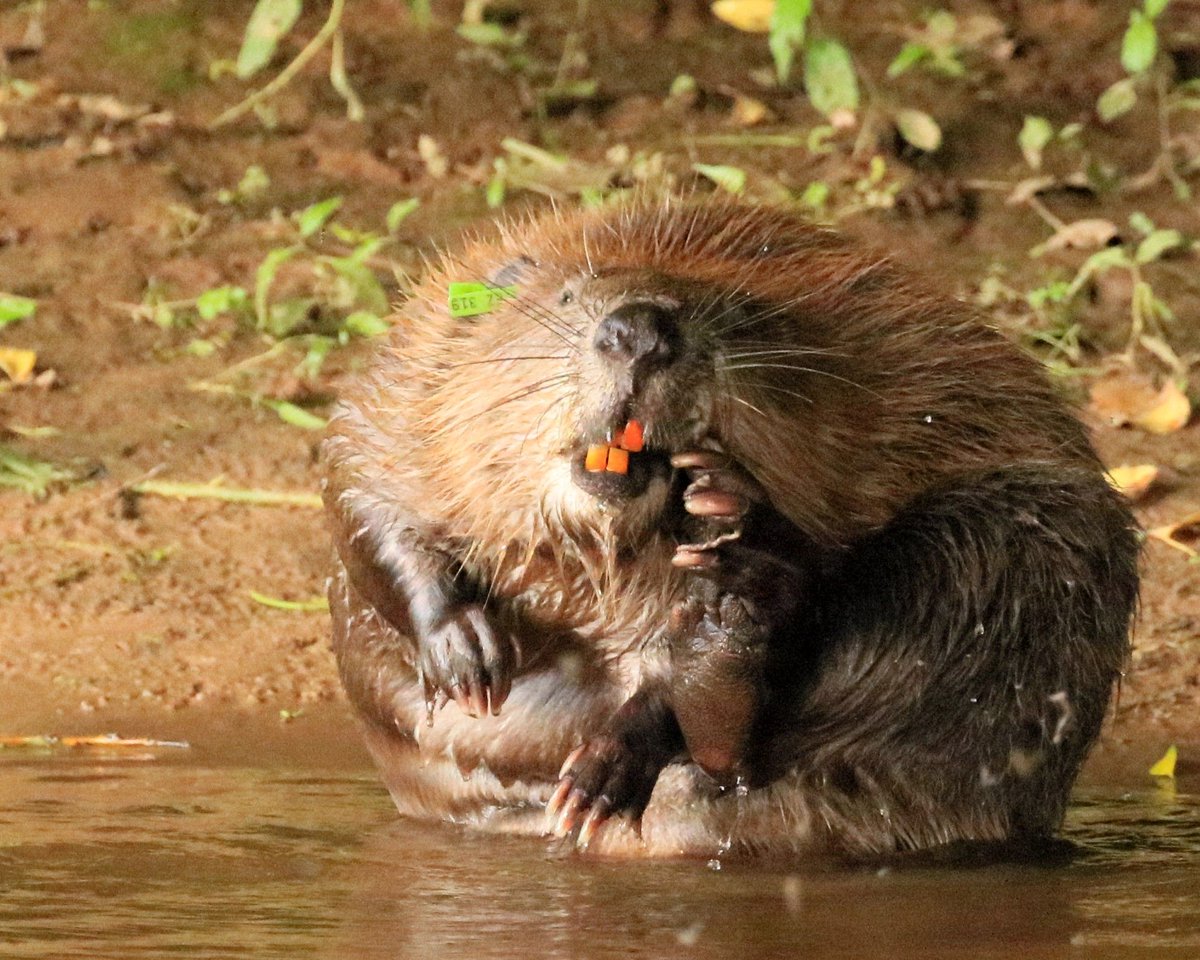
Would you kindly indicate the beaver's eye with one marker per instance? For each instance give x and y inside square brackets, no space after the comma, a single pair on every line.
[566,297]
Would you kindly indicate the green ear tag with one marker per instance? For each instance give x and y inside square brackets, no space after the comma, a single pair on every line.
[470,299]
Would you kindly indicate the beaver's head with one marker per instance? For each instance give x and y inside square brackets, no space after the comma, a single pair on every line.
[711,326]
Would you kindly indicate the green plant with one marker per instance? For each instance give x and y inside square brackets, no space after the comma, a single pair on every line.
[14,309]
[1148,312]
[936,47]
[34,477]
[829,76]
[334,295]
[1147,77]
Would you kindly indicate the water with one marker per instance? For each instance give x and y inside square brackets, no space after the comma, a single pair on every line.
[150,857]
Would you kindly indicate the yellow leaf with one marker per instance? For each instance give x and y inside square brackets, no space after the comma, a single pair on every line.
[748,112]
[1133,480]
[752,16]
[1166,766]
[18,364]
[1133,399]
[1170,411]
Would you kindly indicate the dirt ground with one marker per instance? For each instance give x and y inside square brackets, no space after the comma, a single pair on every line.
[130,612]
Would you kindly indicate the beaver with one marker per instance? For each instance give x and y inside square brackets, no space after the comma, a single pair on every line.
[861,588]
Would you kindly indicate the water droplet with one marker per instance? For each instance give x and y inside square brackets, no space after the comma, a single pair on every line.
[714,864]
[928,418]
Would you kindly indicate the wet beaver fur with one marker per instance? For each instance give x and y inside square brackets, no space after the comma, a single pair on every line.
[866,589]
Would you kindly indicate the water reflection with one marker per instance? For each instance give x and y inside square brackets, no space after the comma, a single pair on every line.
[126,859]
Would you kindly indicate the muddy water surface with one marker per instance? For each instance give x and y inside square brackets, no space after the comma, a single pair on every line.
[158,857]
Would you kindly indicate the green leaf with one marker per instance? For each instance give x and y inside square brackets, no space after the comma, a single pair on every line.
[297,416]
[200,348]
[35,477]
[1110,258]
[361,287]
[490,35]
[399,211]
[919,129]
[815,195]
[497,187]
[683,85]
[1140,44]
[264,277]
[909,56]
[788,23]
[269,23]
[14,308]
[730,179]
[1118,99]
[829,77]
[1035,133]
[313,218]
[1156,244]
[314,358]
[163,316]
[312,605]
[1141,223]
[364,323]
[1154,7]
[941,27]
[212,303]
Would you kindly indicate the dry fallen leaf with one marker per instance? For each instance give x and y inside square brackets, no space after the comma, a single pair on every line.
[1028,188]
[1170,411]
[1082,235]
[1133,480]
[1133,400]
[436,164]
[748,112]
[752,16]
[18,364]
[1188,527]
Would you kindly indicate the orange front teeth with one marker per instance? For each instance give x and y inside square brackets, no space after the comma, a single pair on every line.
[613,457]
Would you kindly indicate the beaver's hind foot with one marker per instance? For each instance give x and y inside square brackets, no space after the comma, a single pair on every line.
[614,773]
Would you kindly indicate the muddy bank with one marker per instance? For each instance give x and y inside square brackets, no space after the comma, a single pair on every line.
[135,612]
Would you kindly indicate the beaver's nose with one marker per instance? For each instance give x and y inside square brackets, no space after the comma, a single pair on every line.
[637,333]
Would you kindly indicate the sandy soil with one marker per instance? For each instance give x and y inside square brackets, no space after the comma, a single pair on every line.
[131,612]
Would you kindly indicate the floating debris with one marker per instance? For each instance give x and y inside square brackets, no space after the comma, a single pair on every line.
[103,740]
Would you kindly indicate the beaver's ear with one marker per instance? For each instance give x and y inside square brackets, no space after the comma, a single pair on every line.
[512,272]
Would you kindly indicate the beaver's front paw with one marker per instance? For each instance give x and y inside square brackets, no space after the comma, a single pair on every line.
[606,776]
[718,497]
[464,658]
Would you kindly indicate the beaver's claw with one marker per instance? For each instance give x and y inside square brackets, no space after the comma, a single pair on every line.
[719,495]
[465,659]
[605,777]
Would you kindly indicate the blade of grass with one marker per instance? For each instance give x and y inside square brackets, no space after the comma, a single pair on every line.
[214,491]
